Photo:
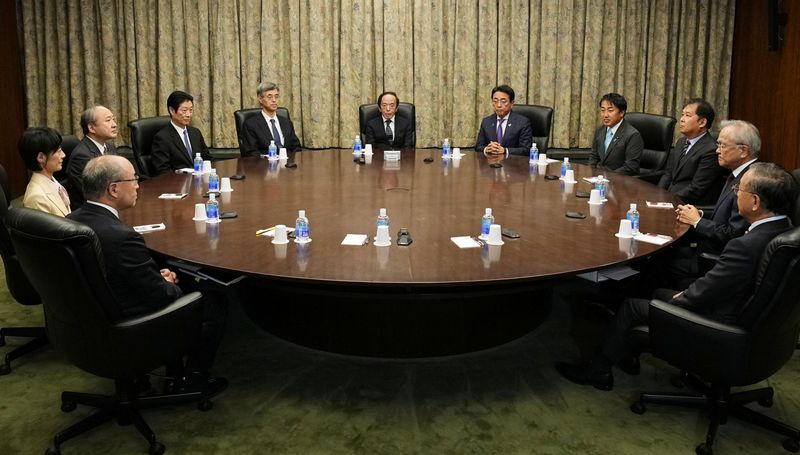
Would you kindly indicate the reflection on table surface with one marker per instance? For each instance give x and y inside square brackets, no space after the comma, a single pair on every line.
[435,201]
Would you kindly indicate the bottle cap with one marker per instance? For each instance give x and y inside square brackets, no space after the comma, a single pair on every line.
[301,214]
[211,197]
[566,159]
[633,206]
[271,142]
[383,212]
[213,171]
[197,155]
[488,211]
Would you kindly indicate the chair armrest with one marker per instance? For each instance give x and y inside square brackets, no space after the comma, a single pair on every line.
[696,343]
[177,305]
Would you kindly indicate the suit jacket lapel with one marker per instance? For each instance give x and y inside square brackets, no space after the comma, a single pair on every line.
[680,160]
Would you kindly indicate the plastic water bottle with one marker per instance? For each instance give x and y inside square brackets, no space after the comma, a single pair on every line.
[534,153]
[486,222]
[565,166]
[213,181]
[198,163]
[272,151]
[601,185]
[357,145]
[383,218]
[633,216]
[446,148]
[212,209]
[301,230]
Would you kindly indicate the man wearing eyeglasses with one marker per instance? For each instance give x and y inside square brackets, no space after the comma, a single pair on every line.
[389,130]
[738,146]
[504,132]
[137,283]
[764,195]
[175,145]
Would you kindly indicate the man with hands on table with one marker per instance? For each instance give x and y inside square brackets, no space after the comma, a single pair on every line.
[504,132]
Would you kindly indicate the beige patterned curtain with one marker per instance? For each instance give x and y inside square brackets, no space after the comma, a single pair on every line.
[331,56]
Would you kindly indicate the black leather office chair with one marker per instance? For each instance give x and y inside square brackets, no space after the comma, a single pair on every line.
[657,132]
[242,115]
[368,111]
[19,287]
[143,131]
[719,356]
[541,118]
[63,260]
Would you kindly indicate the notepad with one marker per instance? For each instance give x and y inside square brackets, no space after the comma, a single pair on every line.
[173,195]
[660,205]
[657,239]
[465,241]
[355,239]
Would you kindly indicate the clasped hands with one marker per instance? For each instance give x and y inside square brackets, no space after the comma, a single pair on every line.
[169,276]
[494,148]
[688,214]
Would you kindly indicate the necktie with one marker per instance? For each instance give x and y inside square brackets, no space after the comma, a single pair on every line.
[684,152]
[609,136]
[275,136]
[64,196]
[726,189]
[389,134]
[186,142]
[500,130]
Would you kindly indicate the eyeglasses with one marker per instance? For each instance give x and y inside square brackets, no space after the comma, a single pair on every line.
[134,179]
[735,188]
[720,145]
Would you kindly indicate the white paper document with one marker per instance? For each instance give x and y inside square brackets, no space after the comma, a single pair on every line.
[465,241]
[658,239]
[149,228]
[660,205]
[173,195]
[355,239]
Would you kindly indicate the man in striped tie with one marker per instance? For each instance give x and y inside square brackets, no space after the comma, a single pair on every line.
[175,145]
[259,130]
[504,132]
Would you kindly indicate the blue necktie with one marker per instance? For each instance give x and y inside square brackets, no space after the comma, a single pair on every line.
[186,142]
[275,136]
[608,140]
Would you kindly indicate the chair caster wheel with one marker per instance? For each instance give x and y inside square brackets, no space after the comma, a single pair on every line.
[5,369]
[157,448]
[68,406]
[766,402]
[205,405]
[704,449]
[638,408]
[792,445]
[52,450]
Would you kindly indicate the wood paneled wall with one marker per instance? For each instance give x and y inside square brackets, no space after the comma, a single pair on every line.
[12,112]
[765,86]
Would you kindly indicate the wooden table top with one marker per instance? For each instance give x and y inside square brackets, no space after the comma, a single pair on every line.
[435,201]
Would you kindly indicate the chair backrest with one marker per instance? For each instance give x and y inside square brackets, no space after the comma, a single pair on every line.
[68,144]
[541,118]
[657,132]
[143,131]
[368,111]
[795,215]
[240,116]
[18,284]
[772,315]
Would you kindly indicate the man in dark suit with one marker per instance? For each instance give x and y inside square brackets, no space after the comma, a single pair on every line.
[504,132]
[137,283]
[260,130]
[765,194]
[99,130]
[175,145]
[389,130]
[617,145]
[692,172]
[738,147]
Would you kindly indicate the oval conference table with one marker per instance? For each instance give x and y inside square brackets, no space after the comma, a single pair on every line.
[427,298]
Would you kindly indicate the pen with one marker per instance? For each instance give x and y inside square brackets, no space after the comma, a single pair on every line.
[264,231]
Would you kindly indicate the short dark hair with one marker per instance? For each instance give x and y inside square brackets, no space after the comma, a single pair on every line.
[35,140]
[505,89]
[380,97]
[99,172]
[704,110]
[176,98]
[88,117]
[616,99]
[776,187]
